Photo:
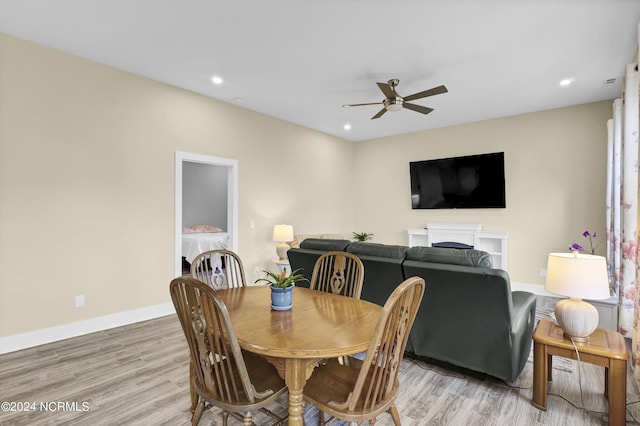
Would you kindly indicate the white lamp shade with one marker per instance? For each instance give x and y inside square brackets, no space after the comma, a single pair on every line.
[577,275]
[283,233]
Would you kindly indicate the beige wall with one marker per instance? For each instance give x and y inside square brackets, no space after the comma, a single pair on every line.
[87,184]
[555,166]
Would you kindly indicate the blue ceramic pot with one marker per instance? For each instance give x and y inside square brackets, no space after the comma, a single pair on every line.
[281,298]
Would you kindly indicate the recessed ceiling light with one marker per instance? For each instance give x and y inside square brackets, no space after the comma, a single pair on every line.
[347,127]
[216,80]
[566,81]
[238,99]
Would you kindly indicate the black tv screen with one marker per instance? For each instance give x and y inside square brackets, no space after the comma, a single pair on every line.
[470,182]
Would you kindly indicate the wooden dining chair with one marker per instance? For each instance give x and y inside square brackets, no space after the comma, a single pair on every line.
[219,268]
[223,376]
[362,390]
[338,272]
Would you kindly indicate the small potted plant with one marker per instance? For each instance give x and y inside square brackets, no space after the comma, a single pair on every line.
[282,287]
[362,236]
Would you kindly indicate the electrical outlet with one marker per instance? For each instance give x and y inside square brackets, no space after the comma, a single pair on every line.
[256,270]
[252,224]
[80,301]
[543,272]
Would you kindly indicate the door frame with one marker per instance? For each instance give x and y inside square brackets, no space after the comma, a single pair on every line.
[232,200]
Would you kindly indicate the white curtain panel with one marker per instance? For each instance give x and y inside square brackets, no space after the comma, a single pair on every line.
[613,206]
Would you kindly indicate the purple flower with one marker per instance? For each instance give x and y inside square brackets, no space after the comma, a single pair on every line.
[591,237]
[576,247]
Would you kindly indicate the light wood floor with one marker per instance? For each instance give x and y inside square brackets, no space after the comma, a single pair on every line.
[137,375]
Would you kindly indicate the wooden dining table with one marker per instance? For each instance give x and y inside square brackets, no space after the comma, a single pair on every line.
[318,326]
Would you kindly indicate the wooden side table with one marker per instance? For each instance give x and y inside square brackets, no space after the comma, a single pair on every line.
[605,347]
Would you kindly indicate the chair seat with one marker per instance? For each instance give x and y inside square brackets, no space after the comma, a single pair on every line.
[361,390]
[263,374]
[265,379]
[333,382]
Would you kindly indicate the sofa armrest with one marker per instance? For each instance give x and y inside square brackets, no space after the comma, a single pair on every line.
[522,323]
[524,304]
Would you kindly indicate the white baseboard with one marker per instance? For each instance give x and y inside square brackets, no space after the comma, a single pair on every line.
[79,328]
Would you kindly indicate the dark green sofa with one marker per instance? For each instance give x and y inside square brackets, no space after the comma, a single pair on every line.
[469,317]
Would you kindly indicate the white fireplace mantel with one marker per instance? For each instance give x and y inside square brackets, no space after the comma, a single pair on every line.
[495,243]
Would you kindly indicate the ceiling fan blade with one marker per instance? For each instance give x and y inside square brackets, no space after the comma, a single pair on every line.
[417,108]
[387,90]
[355,105]
[378,115]
[435,91]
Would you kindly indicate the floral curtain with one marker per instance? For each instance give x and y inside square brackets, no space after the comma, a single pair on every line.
[622,208]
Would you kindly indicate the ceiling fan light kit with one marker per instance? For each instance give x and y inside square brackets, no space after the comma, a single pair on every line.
[395,102]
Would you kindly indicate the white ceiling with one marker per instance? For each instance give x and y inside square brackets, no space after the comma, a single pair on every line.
[301,60]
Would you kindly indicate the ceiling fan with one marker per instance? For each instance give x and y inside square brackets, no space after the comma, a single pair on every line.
[395,102]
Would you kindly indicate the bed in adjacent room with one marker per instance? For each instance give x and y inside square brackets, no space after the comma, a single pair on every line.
[201,238]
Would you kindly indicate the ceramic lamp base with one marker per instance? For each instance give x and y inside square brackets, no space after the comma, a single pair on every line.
[281,250]
[577,318]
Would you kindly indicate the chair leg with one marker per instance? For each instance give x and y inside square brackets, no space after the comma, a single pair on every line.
[192,389]
[320,418]
[393,410]
[195,419]
[225,417]
[247,419]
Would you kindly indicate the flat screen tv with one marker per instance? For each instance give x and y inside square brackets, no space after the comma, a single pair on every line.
[470,182]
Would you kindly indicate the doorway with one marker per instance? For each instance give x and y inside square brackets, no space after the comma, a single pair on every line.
[185,160]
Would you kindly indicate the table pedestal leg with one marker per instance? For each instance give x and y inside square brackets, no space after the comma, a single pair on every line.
[295,372]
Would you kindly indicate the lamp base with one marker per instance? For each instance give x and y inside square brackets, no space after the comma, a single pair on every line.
[577,318]
[282,249]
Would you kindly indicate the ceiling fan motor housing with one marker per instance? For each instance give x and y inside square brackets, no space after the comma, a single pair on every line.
[393,104]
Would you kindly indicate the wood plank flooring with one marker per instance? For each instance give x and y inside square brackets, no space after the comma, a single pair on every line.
[138,375]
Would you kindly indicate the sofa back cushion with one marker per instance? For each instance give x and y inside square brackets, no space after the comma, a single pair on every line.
[382,269]
[450,256]
[311,249]
[324,244]
[378,250]
[299,238]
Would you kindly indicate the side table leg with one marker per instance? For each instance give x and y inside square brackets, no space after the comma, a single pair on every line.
[540,375]
[617,392]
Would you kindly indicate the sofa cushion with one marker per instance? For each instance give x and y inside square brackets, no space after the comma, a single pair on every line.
[377,250]
[382,269]
[324,244]
[299,238]
[450,256]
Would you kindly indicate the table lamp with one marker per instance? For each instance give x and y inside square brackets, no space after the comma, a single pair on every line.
[283,234]
[578,276]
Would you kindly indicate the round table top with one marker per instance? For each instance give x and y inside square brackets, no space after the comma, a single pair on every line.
[319,325]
